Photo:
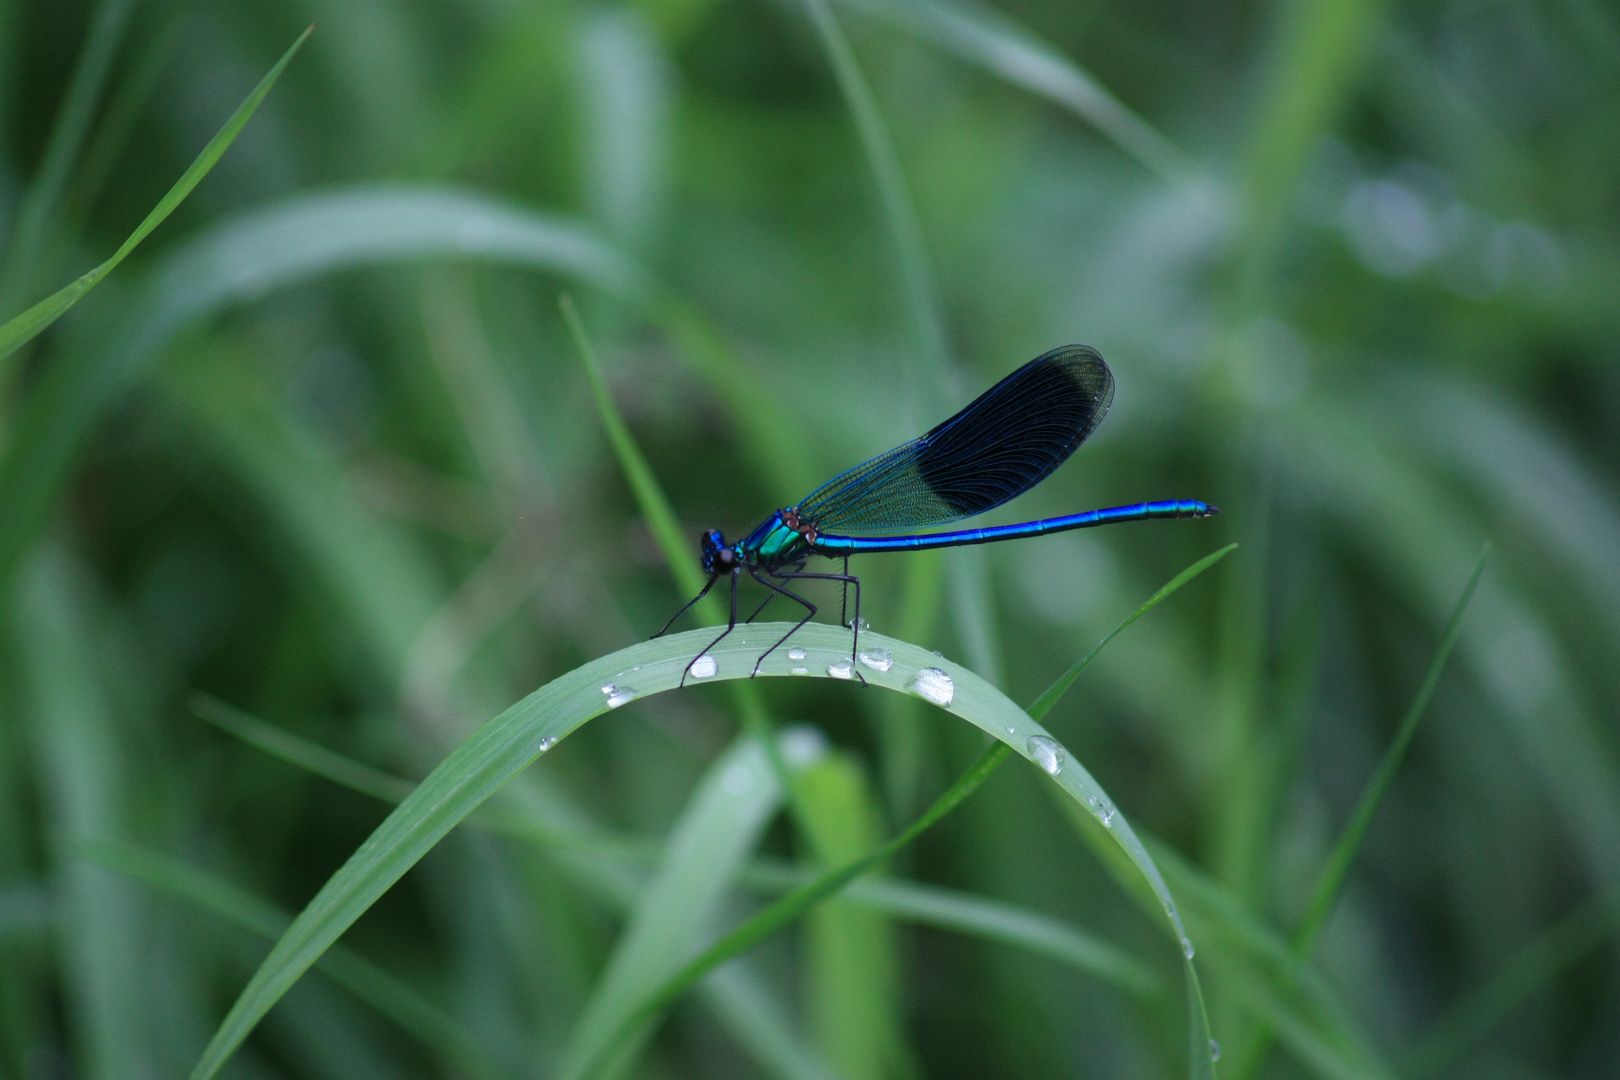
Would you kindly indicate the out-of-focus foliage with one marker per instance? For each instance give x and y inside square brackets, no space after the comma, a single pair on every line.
[322,449]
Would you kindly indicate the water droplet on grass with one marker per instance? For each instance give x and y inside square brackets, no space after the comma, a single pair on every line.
[619,695]
[1047,753]
[878,658]
[860,624]
[932,684]
[704,667]
[796,653]
[547,743]
[1214,1050]
[1103,809]
[841,669]
[1187,949]
[801,671]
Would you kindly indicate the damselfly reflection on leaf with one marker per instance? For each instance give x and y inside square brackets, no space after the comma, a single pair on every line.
[1008,440]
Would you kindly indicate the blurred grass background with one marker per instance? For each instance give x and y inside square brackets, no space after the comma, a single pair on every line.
[322,449]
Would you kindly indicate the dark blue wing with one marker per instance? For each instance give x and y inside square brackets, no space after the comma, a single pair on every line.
[1000,446]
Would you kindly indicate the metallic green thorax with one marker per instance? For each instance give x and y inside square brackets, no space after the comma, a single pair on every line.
[774,543]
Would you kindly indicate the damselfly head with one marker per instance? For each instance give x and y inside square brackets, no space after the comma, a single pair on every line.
[716,556]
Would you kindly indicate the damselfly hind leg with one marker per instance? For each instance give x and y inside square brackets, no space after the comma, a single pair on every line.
[809,613]
[855,624]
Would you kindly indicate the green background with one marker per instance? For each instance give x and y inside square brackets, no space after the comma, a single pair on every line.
[323,449]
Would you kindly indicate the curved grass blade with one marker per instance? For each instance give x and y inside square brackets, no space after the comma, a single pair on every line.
[1044,703]
[650,497]
[1528,970]
[927,905]
[18,331]
[510,742]
[989,39]
[368,982]
[720,825]
[297,239]
[1044,751]
[1355,830]
[922,294]
[44,195]
[661,522]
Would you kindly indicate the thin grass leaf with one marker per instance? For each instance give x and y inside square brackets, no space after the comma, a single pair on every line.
[39,203]
[986,37]
[82,769]
[1044,703]
[283,744]
[720,825]
[979,916]
[1258,965]
[650,497]
[414,1013]
[917,280]
[1355,830]
[661,522]
[928,905]
[506,745]
[18,331]
[1529,970]
[297,239]
[1319,52]
[1041,749]
[790,908]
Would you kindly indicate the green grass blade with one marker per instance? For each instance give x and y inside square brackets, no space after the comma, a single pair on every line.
[1355,830]
[979,916]
[922,295]
[1258,966]
[40,202]
[848,951]
[1044,703]
[927,905]
[678,552]
[655,506]
[1041,749]
[1318,57]
[410,1010]
[720,825]
[790,908]
[283,744]
[507,744]
[983,36]
[81,767]
[18,331]
[1531,968]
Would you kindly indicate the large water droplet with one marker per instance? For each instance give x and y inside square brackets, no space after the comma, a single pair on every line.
[1214,1050]
[932,684]
[704,667]
[619,695]
[1047,753]
[796,653]
[547,743]
[1187,949]
[841,669]
[877,658]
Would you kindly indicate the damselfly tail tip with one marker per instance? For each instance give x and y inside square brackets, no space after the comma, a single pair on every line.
[1210,510]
